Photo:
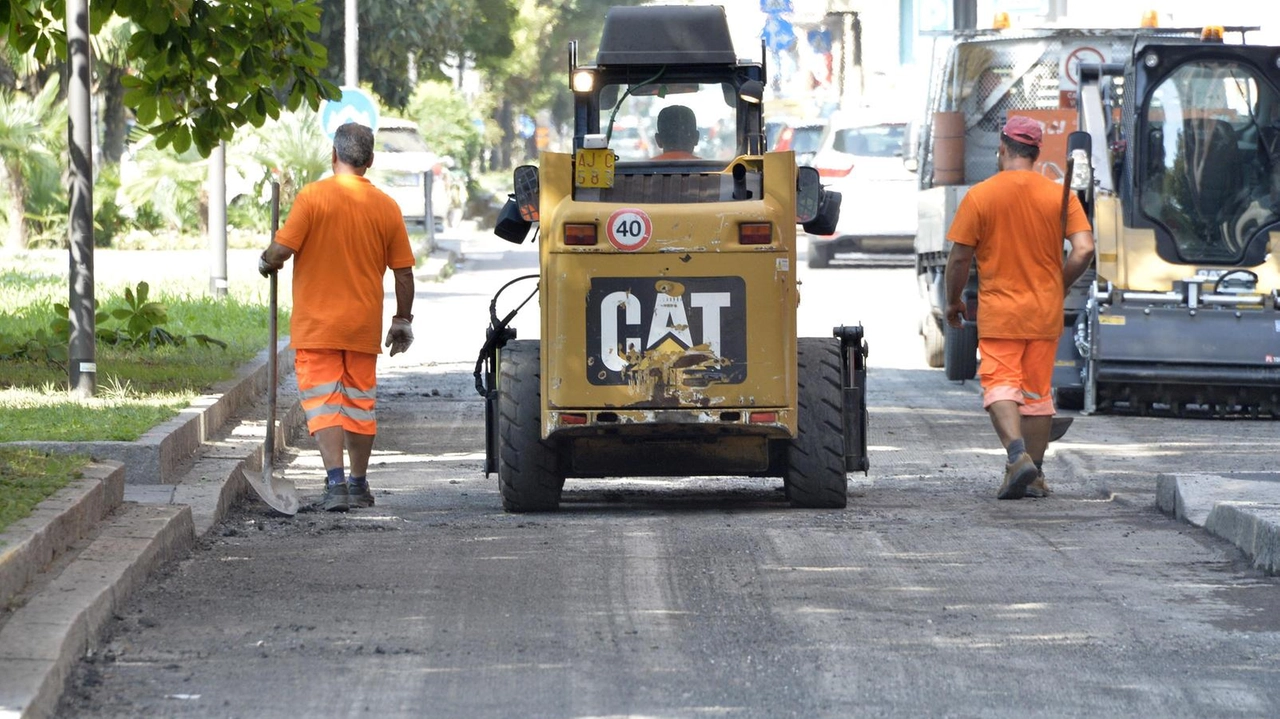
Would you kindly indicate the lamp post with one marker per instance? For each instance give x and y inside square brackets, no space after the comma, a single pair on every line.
[82,368]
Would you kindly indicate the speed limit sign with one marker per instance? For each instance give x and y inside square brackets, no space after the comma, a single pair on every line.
[629,229]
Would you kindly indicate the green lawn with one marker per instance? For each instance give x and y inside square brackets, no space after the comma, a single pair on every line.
[27,477]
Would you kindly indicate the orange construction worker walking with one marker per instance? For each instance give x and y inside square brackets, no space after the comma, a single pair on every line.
[1012,224]
[343,234]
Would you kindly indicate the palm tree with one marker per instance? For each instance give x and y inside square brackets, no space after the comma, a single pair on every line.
[33,133]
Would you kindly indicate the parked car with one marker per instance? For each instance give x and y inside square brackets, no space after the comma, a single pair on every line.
[401,159]
[862,159]
[802,137]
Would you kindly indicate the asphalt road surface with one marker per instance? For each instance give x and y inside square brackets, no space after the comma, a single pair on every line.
[709,597]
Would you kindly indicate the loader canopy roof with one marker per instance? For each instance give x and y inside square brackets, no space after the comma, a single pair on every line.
[662,35]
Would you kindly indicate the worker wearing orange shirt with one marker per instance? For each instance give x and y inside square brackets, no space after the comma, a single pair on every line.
[343,234]
[1012,224]
[677,133]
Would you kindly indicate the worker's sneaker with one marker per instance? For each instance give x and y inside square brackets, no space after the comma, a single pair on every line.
[358,493]
[335,498]
[1017,476]
[1038,489]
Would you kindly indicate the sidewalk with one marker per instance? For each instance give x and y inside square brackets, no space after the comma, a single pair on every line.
[80,555]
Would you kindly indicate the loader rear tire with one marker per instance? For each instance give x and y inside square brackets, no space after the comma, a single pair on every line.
[961,352]
[815,475]
[529,476]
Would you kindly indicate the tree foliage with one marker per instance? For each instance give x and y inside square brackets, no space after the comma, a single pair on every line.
[431,34]
[202,68]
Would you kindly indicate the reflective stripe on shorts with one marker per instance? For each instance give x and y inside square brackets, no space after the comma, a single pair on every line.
[338,388]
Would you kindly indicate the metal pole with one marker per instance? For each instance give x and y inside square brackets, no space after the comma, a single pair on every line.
[218,221]
[82,368]
[350,44]
[428,178]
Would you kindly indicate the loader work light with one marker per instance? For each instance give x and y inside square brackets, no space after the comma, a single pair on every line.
[583,81]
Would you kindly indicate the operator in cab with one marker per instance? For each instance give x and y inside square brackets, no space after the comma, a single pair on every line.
[677,133]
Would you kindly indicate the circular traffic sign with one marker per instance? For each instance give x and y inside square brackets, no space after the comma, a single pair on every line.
[355,106]
[629,229]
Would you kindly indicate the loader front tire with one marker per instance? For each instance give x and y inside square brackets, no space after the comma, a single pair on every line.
[815,475]
[529,476]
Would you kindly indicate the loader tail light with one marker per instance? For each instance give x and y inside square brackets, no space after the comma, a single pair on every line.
[755,233]
[579,234]
[762,417]
[573,418]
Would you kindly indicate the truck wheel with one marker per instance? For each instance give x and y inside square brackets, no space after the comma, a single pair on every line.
[934,343]
[1069,397]
[528,468]
[815,475]
[819,256]
[961,352]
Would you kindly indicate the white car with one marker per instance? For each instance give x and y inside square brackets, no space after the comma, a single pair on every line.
[401,158]
[863,161]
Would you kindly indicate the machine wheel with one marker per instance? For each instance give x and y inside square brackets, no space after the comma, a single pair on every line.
[819,255]
[934,341]
[815,474]
[961,352]
[1069,397]
[529,475]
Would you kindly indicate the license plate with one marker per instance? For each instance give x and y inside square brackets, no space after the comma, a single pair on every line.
[594,168]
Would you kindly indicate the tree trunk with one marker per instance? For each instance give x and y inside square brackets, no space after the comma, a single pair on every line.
[17,236]
[114,116]
[503,159]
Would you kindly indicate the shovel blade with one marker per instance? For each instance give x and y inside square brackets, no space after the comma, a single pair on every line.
[1059,427]
[279,494]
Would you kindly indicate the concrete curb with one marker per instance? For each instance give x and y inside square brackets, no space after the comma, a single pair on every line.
[1242,508]
[72,513]
[158,455]
[43,639]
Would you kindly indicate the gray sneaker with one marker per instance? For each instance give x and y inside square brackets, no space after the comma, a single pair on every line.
[335,498]
[359,494]
[1017,476]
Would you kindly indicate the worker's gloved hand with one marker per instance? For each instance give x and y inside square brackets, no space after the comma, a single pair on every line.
[400,336]
[266,269]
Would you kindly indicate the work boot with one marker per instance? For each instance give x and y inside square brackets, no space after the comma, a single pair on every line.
[1017,476]
[335,498]
[359,494]
[1038,489]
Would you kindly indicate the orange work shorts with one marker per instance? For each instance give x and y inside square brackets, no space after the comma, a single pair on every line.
[339,388]
[1020,371]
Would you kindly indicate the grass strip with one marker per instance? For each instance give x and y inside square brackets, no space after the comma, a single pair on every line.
[27,477]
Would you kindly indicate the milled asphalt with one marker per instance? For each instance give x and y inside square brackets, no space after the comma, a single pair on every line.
[82,552]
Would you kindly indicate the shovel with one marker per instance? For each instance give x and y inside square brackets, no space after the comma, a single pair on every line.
[281,495]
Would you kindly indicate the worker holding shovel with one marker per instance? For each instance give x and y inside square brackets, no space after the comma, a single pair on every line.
[1013,225]
[343,234]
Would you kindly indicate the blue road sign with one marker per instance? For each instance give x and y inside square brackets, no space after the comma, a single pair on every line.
[355,106]
[778,34]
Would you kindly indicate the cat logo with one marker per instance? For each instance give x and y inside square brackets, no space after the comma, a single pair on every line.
[696,324]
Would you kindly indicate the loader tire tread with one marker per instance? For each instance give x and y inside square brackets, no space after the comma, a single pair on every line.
[529,476]
[815,475]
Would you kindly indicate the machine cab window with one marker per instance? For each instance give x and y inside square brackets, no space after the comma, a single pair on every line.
[670,121]
[1211,171]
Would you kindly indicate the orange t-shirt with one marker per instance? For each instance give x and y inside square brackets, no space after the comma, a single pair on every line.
[1014,220]
[345,233]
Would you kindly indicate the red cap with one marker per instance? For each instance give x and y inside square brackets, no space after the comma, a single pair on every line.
[1021,128]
